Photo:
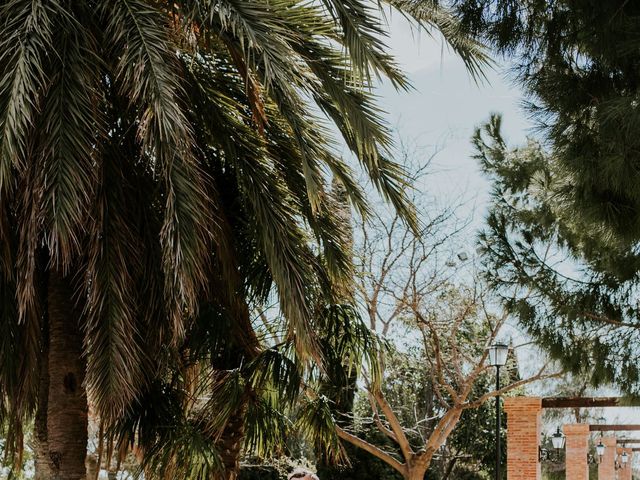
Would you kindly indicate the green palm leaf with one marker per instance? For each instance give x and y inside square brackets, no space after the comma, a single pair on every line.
[362,34]
[115,357]
[69,130]
[431,14]
[25,36]
[147,73]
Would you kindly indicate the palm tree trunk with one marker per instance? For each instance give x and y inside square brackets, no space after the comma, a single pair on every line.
[42,469]
[67,412]
[93,469]
[230,445]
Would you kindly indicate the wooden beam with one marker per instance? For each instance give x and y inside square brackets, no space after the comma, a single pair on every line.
[629,440]
[581,402]
[635,449]
[614,428]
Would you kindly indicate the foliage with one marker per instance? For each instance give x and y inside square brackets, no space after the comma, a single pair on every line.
[566,211]
[559,475]
[582,285]
[362,465]
[470,449]
[473,440]
[259,473]
[578,63]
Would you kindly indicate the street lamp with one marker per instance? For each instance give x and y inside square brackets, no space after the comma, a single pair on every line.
[600,447]
[600,450]
[624,458]
[497,358]
[557,442]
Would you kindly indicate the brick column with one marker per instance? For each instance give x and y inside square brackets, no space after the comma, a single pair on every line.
[524,426]
[577,449]
[606,468]
[625,473]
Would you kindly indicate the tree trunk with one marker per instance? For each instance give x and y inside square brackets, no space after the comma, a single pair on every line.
[41,447]
[42,470]
[93,469]
[230,445]
[67,411]
[416,473]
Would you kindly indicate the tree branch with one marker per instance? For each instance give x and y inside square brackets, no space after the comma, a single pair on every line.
[539,376]
[373,450]
[376,418]
[391,417]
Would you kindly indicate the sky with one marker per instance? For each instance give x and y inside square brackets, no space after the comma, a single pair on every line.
[442,111]
[444,108]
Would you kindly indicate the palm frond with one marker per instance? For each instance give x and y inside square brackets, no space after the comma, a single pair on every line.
[145,212]
[147,74]
[186,452]
[228,282]
[260,31]
[261,44]
[316,424]
[29,231]
[432,14]
[362,34]
[327,81]
[25,36]
[349,342]
[323,224]
[275,377]
[69,129]
[285,249]
[113,346]
[185,238]
[266,430]
[227,391]
[174,444]
[16,391]
[274,216]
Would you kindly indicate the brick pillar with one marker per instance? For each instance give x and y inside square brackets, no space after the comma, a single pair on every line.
[625,473]
[577,449]
[524,428]
[606,468]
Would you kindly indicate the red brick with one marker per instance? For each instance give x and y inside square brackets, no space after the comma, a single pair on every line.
[523,437]
[577,449]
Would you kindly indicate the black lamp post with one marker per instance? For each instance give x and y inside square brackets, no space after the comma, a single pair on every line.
[497,358]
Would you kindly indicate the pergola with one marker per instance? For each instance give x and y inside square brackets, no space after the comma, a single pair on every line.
[524,429]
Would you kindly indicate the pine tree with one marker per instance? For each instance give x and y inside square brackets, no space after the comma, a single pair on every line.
[579,63]
[576,195]
[573,288]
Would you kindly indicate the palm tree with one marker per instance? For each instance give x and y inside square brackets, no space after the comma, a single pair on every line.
[157,158]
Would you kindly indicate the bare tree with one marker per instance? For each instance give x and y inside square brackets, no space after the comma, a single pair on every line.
[424,289]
